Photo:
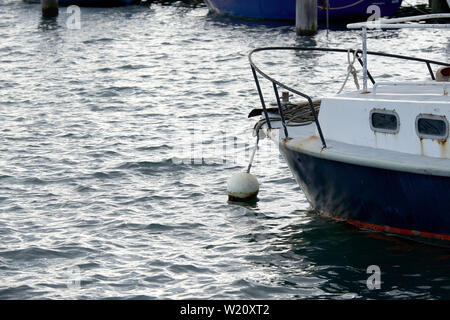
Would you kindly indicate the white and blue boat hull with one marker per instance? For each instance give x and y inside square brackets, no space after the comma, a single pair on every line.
[392,201]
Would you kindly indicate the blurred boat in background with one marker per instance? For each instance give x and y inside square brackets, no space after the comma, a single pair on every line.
[285,9]
[91,3]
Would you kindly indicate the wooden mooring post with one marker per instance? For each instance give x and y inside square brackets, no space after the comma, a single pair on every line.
[306,17]
[439,6]
[49,8]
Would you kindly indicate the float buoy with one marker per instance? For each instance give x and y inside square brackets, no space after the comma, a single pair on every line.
[242,186]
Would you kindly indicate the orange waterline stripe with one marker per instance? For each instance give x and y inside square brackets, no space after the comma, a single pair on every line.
[365,225]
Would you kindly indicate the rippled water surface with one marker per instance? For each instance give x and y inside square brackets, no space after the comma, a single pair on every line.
[100,199]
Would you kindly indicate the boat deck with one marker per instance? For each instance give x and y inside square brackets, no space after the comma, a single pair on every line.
[431,91]
[305,139]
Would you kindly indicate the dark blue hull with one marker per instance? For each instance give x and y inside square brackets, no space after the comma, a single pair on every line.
[392,201]
[285,9]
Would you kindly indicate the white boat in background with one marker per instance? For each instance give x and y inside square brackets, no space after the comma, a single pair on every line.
[379,157]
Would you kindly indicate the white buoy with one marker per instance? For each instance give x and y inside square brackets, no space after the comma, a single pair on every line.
[242,186]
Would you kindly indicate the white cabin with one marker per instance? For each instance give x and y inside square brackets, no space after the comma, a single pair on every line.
[394,116]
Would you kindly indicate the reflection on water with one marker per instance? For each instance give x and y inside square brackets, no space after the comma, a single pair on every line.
[92,120]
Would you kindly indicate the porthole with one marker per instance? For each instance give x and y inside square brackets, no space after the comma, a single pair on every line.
[386,121]
[432,127]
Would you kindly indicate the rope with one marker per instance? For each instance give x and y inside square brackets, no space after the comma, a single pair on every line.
[323,7]
[254,151]
[350,70]
[295,115]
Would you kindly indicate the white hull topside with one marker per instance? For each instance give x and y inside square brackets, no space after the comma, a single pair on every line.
[345,122]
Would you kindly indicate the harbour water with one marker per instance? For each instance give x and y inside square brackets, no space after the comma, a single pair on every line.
[118,137]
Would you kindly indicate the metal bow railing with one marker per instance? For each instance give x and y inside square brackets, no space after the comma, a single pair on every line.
[275,83]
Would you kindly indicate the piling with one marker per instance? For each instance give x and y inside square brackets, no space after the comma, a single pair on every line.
[306,17]
[439,6]
[49,8]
